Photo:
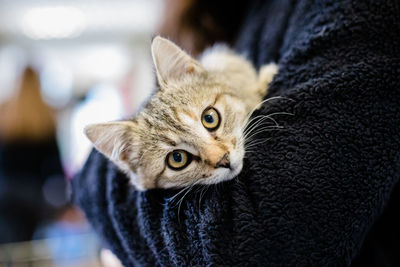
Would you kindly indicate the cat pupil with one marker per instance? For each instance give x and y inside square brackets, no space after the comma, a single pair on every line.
[209,118]
[177,157]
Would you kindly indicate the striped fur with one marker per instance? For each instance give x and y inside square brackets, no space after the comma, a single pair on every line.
[172,118]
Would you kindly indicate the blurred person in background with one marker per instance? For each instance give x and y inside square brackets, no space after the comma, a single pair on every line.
[32,184]
[195,25]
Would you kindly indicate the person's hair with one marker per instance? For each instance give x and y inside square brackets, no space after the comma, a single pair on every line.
[26,116]
[197,24]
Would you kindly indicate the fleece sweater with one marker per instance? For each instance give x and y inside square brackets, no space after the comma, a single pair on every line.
[318,191]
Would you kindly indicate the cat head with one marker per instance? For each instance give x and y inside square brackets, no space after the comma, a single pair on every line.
[190,131]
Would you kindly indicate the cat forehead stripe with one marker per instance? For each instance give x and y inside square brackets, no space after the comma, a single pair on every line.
[217,98]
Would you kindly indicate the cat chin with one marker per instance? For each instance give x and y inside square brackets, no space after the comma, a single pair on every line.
[224,174]
[221,175]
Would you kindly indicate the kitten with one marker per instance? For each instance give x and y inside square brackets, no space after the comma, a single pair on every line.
[191,130]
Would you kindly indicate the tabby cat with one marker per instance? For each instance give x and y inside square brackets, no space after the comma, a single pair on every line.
[192,129]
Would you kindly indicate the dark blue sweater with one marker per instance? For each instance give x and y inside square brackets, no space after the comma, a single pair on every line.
[313,192]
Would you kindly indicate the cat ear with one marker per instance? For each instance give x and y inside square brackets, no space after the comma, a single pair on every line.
[171,62]
[114,140]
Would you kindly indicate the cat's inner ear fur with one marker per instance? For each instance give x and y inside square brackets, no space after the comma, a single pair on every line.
[171,62]
[114,140]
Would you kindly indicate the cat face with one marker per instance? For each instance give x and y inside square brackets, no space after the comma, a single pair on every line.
[196,140]
[190,132]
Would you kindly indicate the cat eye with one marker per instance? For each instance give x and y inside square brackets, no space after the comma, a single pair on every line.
[210,119]
[178,159]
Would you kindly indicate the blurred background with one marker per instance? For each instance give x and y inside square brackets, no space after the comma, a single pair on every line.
[65,64]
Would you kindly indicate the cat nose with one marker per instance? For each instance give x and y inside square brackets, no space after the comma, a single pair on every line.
[223,162]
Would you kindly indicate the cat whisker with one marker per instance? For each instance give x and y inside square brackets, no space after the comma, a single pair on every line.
[199,189]
[185,191]
[250,149]
[264,129]
[252,119]
[255,125]
[253,129]
[263,117]
[183,197]
[171,199]
[258,117]
[249,142]
[246,134]
[254,146]
[278,113]
[281,113]
[257,130]
[261,103]
[202,193]
[185,186]
[256,143]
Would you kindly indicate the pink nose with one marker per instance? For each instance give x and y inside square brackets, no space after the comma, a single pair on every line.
[223,162]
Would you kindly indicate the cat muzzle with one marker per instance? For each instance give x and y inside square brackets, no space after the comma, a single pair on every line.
[224,162]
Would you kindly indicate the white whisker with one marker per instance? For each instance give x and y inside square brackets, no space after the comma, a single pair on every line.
[261,103]
[260,130]
[258,142]
[202,193]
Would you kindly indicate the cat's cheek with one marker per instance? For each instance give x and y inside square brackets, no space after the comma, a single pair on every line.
[237,156]
[221,175]
[172,184]
[136,182]
[237,169]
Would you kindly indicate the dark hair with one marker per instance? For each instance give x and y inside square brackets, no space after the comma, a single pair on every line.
[196,24]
